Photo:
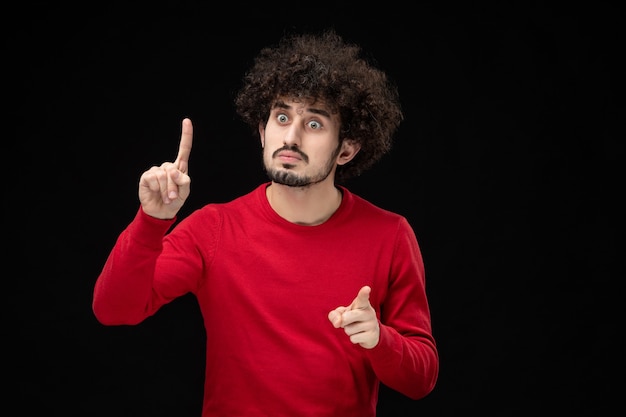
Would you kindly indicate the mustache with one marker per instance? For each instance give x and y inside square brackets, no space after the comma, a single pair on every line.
[291,148]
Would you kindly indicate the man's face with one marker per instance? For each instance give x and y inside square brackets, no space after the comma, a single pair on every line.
[300,143]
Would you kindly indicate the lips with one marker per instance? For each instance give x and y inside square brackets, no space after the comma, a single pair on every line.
[288,156]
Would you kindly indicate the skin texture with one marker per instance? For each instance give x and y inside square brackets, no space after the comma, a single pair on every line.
[301,152]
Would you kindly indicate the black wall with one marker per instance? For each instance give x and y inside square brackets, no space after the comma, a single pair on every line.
[507,167]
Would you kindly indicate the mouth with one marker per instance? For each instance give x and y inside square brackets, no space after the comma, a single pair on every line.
[288,157]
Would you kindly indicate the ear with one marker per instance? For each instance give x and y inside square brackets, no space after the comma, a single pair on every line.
[349,149]
[262,134]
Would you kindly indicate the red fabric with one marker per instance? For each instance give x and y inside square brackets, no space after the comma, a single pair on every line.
[265,287]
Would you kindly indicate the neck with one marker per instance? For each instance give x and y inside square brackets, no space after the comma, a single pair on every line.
[308,206]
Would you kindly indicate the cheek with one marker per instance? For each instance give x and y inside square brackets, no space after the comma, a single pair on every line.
[272,135]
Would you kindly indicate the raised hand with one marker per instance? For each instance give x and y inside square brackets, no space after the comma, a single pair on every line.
[358,320]
[164,189]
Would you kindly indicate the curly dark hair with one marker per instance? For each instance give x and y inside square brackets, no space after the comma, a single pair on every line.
[323,67]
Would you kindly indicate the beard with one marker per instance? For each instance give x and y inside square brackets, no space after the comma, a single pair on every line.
[285,176]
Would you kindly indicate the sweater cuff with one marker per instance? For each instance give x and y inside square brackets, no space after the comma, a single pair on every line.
[148,230]
[388,349]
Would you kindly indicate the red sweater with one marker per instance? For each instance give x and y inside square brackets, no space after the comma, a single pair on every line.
[265,287]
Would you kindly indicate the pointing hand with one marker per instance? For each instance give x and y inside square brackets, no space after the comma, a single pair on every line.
[164,189]
[358,320]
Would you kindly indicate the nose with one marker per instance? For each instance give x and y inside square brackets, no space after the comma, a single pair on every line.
[293,134]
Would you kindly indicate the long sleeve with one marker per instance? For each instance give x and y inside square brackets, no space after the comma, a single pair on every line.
[265,286]
[406,357]
[123,291]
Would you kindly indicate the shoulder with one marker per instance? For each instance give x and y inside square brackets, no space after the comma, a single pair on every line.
[374,217]
[251,199]
[362,205]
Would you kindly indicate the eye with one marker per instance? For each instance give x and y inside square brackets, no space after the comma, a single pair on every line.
[315,125]
[282,118]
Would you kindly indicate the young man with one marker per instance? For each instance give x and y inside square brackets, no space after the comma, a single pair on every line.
[310,295]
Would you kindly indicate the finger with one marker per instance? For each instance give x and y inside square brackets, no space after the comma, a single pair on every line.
[172,184]
[335,316]
[162,179]
[184,148]
[150,179]
[362,300]
[167,184]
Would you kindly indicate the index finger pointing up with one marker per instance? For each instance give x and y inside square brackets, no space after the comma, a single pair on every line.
[184,149]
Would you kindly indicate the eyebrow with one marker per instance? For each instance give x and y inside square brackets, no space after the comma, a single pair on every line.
[282,105]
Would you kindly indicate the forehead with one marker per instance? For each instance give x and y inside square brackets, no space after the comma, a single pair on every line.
[301,106]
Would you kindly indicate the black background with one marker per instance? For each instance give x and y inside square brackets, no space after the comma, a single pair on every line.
[508,167]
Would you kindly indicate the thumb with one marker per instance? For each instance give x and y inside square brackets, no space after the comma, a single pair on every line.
[362,300]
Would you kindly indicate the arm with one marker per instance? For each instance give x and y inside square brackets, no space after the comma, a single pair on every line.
[406,357]
[399,344]
[123,293]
